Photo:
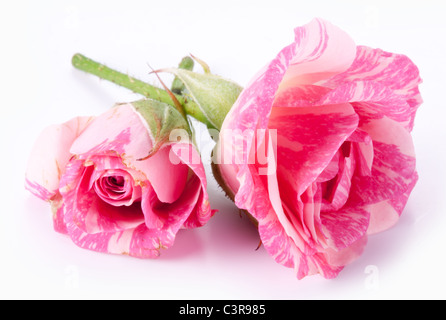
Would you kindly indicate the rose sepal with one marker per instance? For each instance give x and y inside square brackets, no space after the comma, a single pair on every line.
[213,95]
[162,119]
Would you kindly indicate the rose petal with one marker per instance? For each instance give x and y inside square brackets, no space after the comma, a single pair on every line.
[371,100]
[49,156]
[345,226]
[58,219]
[347,255]
[321,51]
[120,129]
[293,228]
[394,164]
[170,216]
[167,175]
[308,138]
[137,242]
[394,71]
[190,156]
[300,96]
[339,191]
[385,214]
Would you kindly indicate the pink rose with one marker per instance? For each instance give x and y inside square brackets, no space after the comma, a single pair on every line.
[333,121]
[104,196]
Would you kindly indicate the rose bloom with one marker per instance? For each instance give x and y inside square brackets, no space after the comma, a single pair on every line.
[104,196]
[333,120]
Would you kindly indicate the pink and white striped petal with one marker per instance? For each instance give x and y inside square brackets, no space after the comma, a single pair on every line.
[138,242]
[371,100]
[393,174]
[307,140]
[171,216]
[321,51]
[189,156]
[393,71]
[49,156]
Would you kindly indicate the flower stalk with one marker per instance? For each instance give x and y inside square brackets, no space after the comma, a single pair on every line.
[90,66]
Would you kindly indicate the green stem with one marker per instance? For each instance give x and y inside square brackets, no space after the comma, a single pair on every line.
[85,64]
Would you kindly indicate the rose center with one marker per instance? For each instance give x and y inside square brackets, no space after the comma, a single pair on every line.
[116,188]
[114,183]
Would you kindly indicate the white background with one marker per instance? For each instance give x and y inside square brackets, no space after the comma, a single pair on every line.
[39,87]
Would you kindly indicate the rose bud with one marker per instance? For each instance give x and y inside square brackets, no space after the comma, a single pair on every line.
[118,183]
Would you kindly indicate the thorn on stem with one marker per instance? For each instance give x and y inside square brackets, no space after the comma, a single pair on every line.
[177,104]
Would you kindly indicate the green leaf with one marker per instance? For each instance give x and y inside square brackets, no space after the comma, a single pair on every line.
[213,94]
